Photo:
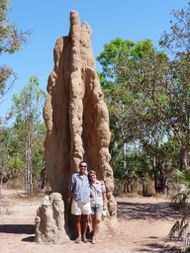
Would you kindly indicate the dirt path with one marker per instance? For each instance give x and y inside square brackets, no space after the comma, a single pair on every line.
[144,225]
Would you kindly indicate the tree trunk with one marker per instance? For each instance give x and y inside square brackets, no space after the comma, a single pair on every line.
[184,164]
[1,186]
[28,162]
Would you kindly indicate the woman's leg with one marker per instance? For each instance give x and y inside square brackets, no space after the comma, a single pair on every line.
[93,217]
[96,227]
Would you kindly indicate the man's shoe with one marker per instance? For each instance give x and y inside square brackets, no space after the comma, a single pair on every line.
[78,239]
[84,240]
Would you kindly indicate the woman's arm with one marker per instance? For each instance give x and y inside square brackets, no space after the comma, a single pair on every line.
[104,200]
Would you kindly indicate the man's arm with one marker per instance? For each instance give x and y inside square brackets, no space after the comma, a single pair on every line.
[71,188]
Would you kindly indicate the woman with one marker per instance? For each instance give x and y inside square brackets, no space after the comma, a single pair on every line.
[98,202]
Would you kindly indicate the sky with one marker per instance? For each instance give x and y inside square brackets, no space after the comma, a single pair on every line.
[48,20]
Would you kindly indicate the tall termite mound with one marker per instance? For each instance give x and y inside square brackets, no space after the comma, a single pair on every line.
[76,115]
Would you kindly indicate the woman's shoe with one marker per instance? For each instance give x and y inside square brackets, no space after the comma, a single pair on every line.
[93,241]
[84,240]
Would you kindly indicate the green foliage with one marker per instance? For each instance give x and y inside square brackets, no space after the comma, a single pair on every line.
[182,197]
[14,144]
[10,42]
[134,164]
[16,163]
[29,102]
[119,52]
[38,161]
[14,148]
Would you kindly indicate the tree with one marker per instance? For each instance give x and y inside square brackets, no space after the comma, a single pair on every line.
[177,43]
[148,93]
[132,117]
[26,108]
[10,41]
[3,156]
[165,83]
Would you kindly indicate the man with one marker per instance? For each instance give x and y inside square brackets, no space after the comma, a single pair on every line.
[80,207]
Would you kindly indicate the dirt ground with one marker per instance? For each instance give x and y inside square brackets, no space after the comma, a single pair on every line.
[144,225]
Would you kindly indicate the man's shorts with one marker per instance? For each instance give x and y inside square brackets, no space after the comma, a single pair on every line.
[97,208]
[78,208]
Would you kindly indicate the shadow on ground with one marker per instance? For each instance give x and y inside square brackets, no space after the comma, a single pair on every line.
[29,239]
[161,210]
[160,248]
[17,228]
[156,211]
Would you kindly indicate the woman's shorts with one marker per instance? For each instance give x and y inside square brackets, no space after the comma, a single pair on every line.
[96,209]
[78,208]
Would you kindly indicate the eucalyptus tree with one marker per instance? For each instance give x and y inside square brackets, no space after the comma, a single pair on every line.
[177,43]
[165,83]
[27,112]
[11,41]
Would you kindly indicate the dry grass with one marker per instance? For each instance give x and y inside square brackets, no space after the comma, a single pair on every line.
[6,206]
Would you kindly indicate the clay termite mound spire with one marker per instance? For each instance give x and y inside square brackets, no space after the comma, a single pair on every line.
[76,115]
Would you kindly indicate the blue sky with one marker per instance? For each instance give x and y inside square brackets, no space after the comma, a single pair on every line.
[49,19]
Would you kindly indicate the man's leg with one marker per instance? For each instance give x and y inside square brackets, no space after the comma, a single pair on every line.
[84,224]
[76,211]
[78,227]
